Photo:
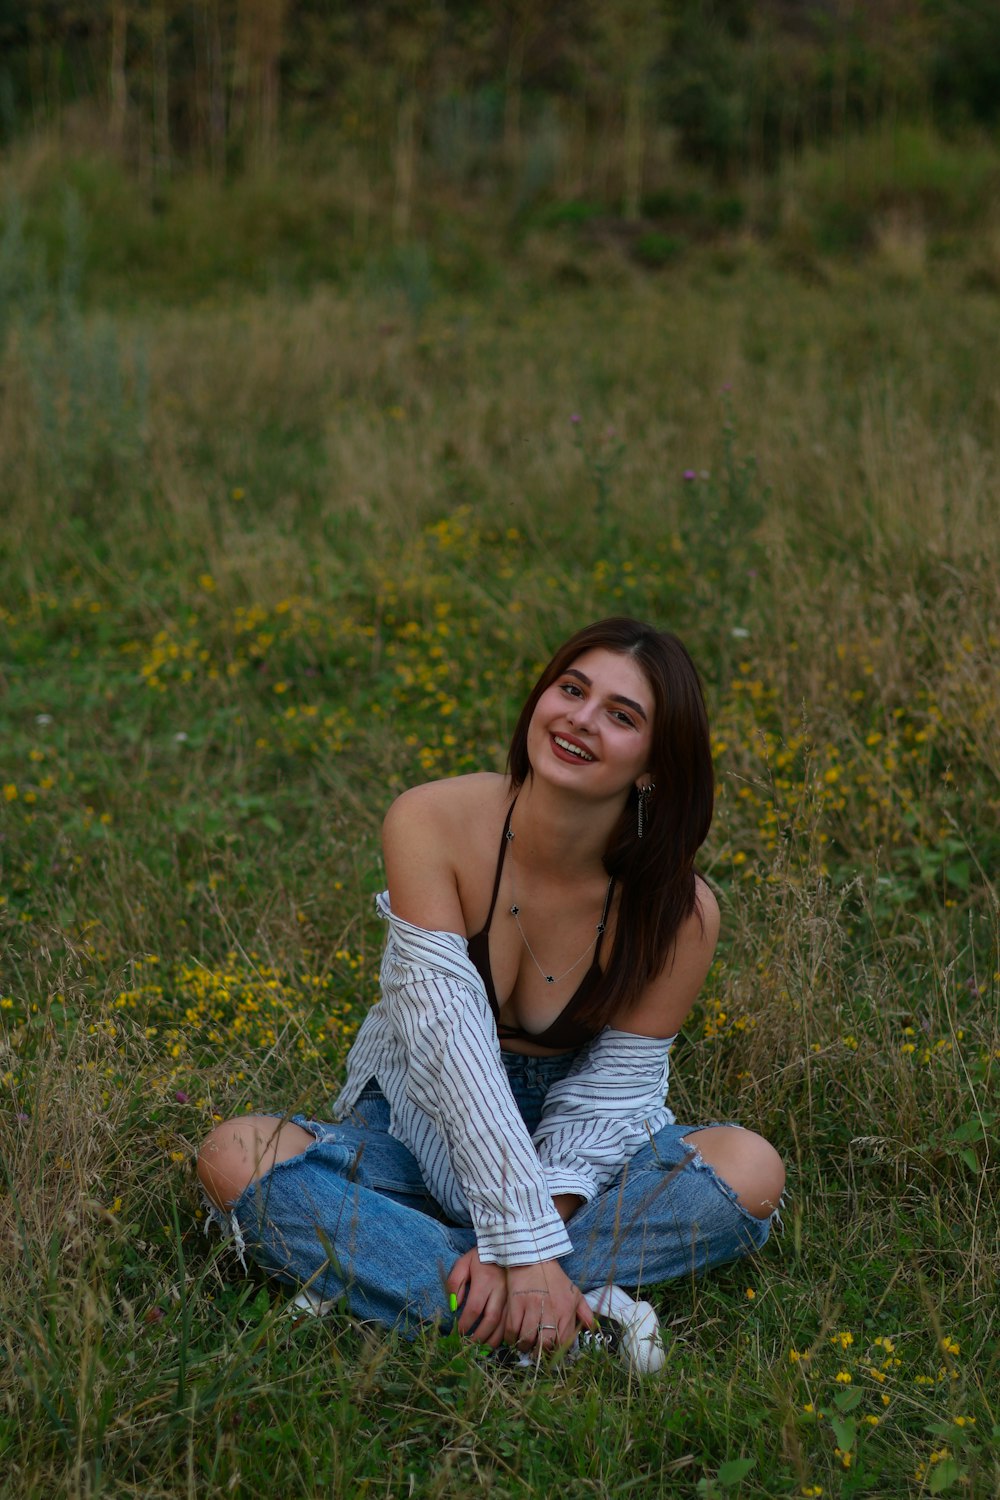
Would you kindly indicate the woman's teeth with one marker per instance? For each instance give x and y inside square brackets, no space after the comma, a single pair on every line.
[573,749]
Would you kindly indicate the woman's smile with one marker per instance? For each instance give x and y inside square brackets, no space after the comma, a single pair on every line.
[568,748]
[598,712]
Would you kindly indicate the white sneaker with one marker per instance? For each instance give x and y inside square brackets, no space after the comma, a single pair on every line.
[628,1328]
[311,1302]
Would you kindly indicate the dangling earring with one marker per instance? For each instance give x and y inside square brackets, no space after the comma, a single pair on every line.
[644,792]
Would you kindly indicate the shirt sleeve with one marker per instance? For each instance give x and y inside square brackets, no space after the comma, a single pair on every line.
[456,1080]
[609,1104]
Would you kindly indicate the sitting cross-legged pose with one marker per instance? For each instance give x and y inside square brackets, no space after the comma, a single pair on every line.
[501,1158]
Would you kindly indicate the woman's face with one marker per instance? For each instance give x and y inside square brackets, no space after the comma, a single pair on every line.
[592,728]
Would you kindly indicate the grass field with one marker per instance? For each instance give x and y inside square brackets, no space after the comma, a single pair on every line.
[269,556]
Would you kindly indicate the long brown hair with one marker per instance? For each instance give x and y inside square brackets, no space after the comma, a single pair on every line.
[656,872]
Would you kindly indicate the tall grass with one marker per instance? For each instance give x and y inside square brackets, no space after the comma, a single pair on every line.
[268,559]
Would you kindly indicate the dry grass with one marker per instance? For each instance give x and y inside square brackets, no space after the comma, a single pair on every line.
[316,558]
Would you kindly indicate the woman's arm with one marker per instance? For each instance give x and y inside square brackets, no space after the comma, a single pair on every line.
[457,1084]
[666,1002]
[606,1107]
[462,1118]
[452,1104]
[419,846]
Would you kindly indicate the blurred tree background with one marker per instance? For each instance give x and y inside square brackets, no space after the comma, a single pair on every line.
[583,98]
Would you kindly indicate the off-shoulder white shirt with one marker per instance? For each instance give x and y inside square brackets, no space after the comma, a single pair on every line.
[431,1044]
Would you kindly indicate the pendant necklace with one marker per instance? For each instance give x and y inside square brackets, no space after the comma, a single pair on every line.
[515,912]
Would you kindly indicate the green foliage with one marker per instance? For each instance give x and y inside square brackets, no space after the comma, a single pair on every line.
[487,89]
[908,199]
[655,250]
[965,67]
[572,214]
[88,392]
[942,183]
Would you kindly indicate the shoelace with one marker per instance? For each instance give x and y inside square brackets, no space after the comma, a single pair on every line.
[606,1340]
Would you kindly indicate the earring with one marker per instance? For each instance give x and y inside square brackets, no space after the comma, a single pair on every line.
[644,793]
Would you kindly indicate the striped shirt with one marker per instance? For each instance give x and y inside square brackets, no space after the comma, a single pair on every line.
[431,1044]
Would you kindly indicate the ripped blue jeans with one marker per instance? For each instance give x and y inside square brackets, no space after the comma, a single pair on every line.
[351,1220]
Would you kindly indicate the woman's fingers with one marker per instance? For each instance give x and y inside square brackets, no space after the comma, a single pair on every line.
[491,1324]
[537,1322]
[457,1286]
[470,1315]
[542,1315]
[544,1307]
[566,1329]
[482,1292]
[522,1325]
[480,1304]
[459,1276]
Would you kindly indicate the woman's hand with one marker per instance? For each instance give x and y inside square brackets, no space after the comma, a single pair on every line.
[482,1295]
[544,1308]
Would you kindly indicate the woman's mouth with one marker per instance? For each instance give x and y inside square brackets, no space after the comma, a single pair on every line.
[568,749]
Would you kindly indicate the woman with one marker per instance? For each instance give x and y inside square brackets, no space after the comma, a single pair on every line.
[502,1140]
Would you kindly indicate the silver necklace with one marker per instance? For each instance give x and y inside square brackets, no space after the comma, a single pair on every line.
[515,912]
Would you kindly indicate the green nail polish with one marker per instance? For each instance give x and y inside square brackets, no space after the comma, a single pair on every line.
[453,1302]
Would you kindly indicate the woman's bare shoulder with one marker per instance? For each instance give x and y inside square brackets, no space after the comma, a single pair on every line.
[707,910]
[426,836]
[449,801]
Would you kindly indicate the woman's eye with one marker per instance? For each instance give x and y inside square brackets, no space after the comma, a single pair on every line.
[572,689]
[623,718]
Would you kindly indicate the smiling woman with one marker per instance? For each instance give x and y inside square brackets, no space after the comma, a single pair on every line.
[502,1157]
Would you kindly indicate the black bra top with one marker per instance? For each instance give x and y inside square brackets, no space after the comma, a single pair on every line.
[565,1032]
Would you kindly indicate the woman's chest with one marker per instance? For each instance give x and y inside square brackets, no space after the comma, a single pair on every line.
[543,947]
